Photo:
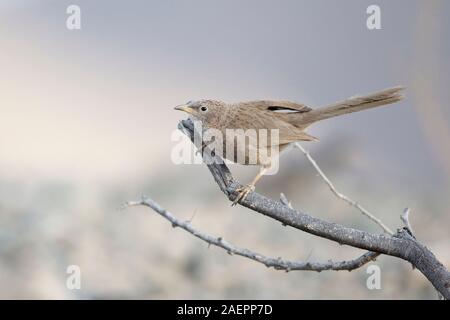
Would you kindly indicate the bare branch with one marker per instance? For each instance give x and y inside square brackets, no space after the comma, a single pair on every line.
[340,195]
[276,263]
[402,244]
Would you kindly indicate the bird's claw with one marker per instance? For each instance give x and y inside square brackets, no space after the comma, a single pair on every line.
[243,193]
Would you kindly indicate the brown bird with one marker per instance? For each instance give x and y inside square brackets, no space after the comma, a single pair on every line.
[290,119]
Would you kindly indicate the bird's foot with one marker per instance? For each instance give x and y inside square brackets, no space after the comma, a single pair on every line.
[243,193]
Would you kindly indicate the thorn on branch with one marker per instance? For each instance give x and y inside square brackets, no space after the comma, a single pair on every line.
[285,201]
[193,216]
[405,219]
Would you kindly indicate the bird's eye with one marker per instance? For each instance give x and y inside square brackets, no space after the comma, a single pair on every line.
[204,109]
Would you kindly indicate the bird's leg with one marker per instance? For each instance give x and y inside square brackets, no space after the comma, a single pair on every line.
[244,191]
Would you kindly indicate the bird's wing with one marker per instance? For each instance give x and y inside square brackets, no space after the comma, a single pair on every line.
[266,114]
[277,106]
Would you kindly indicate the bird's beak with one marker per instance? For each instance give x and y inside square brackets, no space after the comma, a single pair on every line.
[184,108]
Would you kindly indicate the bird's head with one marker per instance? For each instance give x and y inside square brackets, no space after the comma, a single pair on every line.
[207,111]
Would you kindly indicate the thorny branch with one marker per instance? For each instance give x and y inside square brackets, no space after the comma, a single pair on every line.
[402,244]
[276,263]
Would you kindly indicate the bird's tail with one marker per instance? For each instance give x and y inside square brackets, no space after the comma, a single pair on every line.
[351,105]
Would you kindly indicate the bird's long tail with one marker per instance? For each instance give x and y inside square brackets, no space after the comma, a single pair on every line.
[351,105]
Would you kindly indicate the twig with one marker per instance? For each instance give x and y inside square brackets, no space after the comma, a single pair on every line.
[405,219]
[340,195]
[276,263]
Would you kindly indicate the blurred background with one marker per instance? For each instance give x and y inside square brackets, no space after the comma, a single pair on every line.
[86,118]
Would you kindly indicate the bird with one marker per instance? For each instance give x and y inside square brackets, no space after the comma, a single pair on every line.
[289,119]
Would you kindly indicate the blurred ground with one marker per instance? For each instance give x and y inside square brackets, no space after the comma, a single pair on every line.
[86,119]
